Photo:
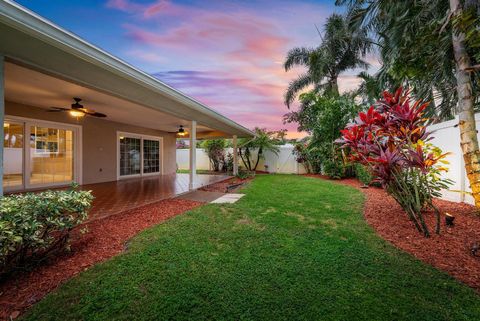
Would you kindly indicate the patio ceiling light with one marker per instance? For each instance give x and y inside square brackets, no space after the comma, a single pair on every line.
[76,113]
[181,131]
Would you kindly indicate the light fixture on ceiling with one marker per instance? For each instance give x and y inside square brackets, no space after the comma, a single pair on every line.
[181,131]
[76,113]
[77,110]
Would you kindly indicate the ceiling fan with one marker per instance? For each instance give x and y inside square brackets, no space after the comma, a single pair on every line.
[181,132]
[77,110]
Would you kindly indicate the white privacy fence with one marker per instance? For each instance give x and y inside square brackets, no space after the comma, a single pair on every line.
[284,162]
[447,137]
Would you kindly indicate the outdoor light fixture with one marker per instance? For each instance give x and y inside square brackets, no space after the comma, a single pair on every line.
[181,131]
[449,219]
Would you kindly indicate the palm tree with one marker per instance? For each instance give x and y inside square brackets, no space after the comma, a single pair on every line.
[263,141]
[341,49]
[431,46]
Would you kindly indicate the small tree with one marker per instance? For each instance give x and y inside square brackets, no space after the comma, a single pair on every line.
[215,149]
[323,117]
[391,139]
[263,141]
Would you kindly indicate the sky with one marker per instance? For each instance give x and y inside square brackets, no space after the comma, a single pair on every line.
[226,54]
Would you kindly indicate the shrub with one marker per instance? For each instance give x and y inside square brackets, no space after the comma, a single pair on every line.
[363,174]
[228,164]
[215,149]
[391,139]
[333,169]
[33,226]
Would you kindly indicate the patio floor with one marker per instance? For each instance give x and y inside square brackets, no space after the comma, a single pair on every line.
[118,196]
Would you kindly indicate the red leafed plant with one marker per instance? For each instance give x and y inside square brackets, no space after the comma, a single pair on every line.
[392,140]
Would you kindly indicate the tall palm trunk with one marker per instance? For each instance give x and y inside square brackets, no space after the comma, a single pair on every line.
[468,130]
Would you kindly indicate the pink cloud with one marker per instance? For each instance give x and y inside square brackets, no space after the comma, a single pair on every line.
[234,54]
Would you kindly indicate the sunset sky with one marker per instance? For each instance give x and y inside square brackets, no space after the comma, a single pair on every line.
[226,54]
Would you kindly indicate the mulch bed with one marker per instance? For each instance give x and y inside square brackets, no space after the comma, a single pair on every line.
[450,251]
[105,238]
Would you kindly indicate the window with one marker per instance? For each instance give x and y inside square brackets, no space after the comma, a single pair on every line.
[138,155]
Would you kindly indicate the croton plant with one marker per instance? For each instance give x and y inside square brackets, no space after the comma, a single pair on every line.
[392,140]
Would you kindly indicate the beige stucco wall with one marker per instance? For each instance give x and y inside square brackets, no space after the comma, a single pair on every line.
[99,145]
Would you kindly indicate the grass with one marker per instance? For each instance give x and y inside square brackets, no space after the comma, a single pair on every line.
[294,248]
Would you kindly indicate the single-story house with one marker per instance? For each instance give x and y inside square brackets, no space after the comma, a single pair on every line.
[73,112]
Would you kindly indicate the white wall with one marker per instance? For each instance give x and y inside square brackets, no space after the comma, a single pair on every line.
[447,137]
[283,163]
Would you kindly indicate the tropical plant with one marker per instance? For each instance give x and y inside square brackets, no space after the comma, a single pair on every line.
[341,49]
[215,149]
[33,226]
[391,139]
[323,117]
[433,47]
[262,142]
[301,153]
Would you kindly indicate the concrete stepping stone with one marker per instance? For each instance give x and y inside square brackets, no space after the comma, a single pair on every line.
[228,198]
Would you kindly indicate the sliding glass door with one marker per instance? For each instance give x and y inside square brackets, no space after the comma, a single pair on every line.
[138,155]
[130,156]
[51,156]
[38,154]
[13,155]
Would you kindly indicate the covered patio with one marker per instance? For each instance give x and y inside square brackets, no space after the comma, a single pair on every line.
[72,112]
[118,196]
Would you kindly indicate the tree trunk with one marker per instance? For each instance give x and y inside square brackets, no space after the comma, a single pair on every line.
[468,130]
[259,154]
[334,86]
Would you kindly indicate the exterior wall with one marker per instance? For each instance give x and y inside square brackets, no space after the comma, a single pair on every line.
[99,141]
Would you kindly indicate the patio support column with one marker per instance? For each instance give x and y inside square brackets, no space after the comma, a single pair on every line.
[235,156]
[193,154]
[2,117]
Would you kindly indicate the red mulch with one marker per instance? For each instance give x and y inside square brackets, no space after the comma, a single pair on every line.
[105,238]
[450,251]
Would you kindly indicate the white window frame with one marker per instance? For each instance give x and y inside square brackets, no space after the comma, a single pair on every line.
[77,151]
[142,138]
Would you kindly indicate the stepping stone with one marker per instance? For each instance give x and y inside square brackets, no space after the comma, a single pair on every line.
[228,198]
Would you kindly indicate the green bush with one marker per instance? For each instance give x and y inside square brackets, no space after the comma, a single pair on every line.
[35,225]
[363,174]
[333,169]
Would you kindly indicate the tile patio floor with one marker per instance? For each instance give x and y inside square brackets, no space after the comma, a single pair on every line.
[118,196]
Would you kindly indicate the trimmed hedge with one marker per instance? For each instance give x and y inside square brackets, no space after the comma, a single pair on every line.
[35,225]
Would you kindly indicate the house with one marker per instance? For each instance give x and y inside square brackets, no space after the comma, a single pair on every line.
[73,112]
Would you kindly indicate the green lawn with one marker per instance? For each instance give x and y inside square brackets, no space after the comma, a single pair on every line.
[294,248]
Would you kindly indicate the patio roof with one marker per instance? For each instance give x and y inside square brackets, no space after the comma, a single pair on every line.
[42,48]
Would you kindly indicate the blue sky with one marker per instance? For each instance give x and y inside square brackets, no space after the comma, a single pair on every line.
[227,54]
